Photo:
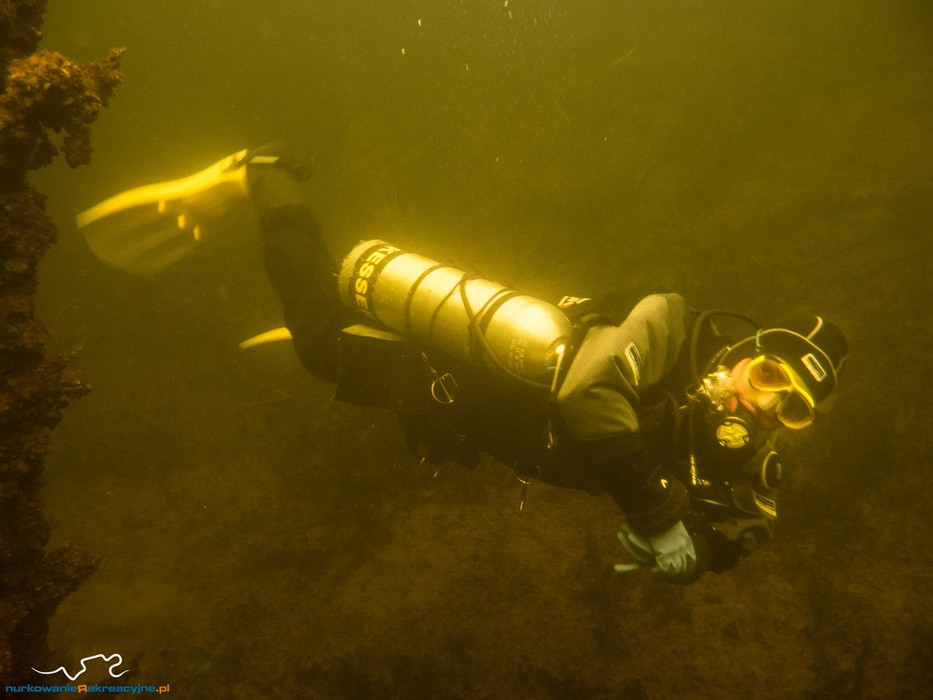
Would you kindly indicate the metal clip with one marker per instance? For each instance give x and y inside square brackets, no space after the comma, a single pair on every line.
[436,465]
[525,483]
[442,388]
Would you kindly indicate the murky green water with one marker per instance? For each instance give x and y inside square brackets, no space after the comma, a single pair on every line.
[262,541]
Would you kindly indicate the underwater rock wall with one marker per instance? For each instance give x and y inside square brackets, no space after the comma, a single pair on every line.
[41,93]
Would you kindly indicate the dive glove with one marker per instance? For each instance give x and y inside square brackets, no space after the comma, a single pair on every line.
[672,552]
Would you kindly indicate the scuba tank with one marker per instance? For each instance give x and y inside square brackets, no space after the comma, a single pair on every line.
[456,312]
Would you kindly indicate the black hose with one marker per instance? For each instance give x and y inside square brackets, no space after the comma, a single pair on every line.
[479,336]
[698,328]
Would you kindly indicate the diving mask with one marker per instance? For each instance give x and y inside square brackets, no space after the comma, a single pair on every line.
[783,392]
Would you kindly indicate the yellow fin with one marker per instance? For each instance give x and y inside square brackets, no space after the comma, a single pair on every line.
[272,336]
[146,229]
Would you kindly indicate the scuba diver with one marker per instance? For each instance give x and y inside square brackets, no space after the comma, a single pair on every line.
[640,397]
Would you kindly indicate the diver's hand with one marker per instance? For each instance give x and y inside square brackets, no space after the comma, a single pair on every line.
[671,554]
[638,548]
[674,551]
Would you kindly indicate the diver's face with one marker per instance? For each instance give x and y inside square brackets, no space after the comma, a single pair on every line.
[762,404]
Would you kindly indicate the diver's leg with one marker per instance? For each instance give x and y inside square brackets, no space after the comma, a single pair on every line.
[299,266]
[146,229]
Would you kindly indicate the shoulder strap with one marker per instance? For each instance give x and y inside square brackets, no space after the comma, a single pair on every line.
[584,314]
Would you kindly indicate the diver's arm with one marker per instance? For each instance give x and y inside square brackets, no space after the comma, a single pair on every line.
[599,398]
[651,499]
[654,504]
